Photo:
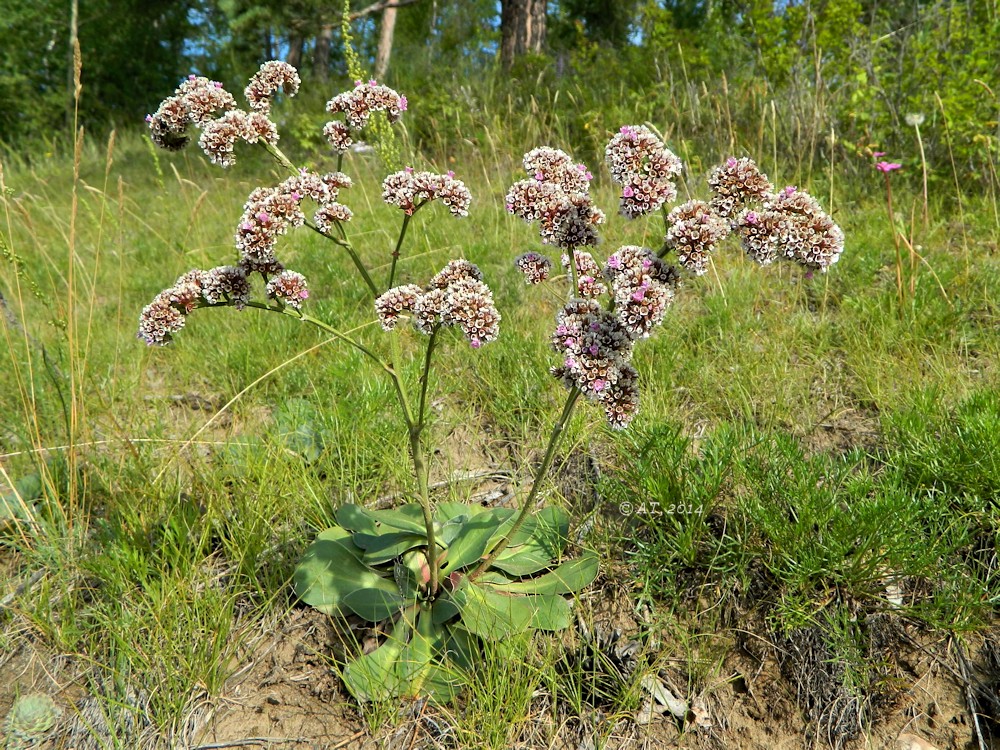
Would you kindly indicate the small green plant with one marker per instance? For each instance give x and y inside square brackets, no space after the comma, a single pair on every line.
[29,719]
[436,580]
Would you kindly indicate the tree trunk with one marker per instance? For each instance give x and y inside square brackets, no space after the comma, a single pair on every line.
[385,33]
[296,43]
[321,55]
[522,29]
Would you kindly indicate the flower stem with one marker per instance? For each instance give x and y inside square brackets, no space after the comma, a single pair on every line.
[895,241]
[399,242]
[284,161]
[422,469]
[536,485]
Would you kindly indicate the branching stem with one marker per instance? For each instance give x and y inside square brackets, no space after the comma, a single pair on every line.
[557,432]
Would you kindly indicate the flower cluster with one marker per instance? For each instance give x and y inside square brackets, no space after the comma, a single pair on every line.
[557,197]
[642,286]
[271,76]
[735,184]
[596,350]
[165,315]
[791,225]
[410,190]
[357,107]
[269,212]
[289,287]
[694,229]
[198,101]
[588,275]
[534,266]
[644,167]
[455,296]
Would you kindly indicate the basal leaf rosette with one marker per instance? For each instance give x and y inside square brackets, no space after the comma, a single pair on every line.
[374,564]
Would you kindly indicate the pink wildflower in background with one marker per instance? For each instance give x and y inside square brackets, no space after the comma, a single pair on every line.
[887,166]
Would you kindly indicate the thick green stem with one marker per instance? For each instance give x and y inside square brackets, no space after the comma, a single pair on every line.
[557,432]
[399,242]
[422,469]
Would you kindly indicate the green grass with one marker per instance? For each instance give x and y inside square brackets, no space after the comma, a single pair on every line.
[170,532]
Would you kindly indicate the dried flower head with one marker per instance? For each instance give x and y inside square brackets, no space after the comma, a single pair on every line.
[534,266]
[159,321]
[593,344]
[357,107]
[455,271]
[219,136]
[395,302]
[588,274]
[547,164]
[409,190]
[644,167]
[642,286]
[791,225]
[694,230]
[288,287]
[621,399]
[225,283]
[736,183]
[272,75]
[469,305]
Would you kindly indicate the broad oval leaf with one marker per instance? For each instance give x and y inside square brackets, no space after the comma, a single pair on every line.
[384,547]
[404,518]
[569,578]
[375,676]
[472,539]
[492,615]
[374,604]
[331,569]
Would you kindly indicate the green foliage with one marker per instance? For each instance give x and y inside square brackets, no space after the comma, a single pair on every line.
[374,564]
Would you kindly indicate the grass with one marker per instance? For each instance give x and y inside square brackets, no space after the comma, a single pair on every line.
[806,449]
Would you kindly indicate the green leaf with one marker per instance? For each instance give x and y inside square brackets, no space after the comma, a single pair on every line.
[15,505]
[331,569]
[374,604]
[492,615]
[443,609]
[469,545]
[568,578]
[404,518]
[375,676]
[384,547]
[537,543]
[552,612]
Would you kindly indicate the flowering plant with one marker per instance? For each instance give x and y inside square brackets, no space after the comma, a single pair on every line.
[435,579]
[432,579]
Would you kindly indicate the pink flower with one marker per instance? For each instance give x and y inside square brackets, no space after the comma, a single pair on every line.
[887,166]
[402,104]
[627,191]
[877,154]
